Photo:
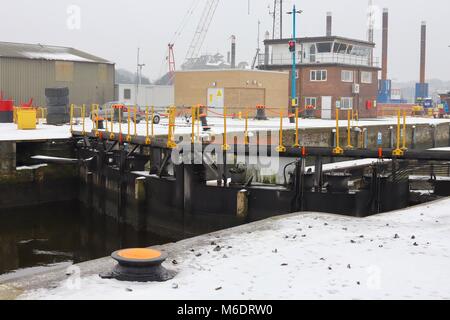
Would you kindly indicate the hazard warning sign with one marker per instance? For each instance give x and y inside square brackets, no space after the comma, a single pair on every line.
[216,98]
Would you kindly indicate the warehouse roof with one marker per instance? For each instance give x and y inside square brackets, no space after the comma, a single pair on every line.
[45,52]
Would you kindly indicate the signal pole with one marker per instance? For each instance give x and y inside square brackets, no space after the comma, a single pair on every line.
[294,97]
[138,75]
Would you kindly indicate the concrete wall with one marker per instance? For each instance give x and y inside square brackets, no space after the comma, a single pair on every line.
[7,157]
[426,137]
[23,79]
[243,88]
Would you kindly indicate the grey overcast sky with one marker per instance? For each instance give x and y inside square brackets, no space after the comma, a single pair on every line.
[113,29]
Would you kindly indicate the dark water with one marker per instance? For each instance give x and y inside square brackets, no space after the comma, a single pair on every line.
[46,236]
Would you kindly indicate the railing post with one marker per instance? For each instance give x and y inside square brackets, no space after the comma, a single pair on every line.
[153,123]
[147,137]
[92,108]
[96,109]
[170,138]
[128,124]
[83,115]
[404,148]
[349,130]
[135,121]
[297,135]
[246,129]
[112,136]
[193,116]
[120,126]
[198,123]
[106,122]
[281,148]
[225,146]
[398,152]
[338,150]
[71,118]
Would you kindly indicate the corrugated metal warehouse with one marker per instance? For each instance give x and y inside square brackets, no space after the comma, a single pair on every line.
[27,69]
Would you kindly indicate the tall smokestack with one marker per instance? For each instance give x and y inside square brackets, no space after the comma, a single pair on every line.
[233,52]
[329,24]
[384,58]
[423,51]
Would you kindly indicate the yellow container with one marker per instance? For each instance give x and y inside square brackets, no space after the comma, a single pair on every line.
[26,118]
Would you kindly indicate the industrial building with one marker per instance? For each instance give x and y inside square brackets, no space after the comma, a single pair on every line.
[145,95]
[234,88]
[27,69]
[329,69]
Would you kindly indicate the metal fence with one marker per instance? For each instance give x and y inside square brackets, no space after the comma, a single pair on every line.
[286,59]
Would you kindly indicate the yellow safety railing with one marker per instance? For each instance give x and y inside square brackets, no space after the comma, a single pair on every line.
[135,121]
[404,148]
[297,135]
[106,121]
[225,146]
[349,130]
[147,137]
[171,135]
[194,116]
[120,126]
[398,152]
[112,135]
[246,138]
[153,122]
[128,125]
[83,118]
[198,124]
[96,120]
[77,115]
[71,117]
[40,114]
[281,148]
[337,150]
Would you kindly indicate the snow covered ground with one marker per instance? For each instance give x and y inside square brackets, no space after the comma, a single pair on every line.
[398,255]
[9,131]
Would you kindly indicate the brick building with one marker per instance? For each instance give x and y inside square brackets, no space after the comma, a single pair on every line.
[329,69]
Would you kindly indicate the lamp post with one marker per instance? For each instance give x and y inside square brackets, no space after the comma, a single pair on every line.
[293,45]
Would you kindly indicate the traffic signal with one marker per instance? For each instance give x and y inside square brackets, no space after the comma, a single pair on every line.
[292,46]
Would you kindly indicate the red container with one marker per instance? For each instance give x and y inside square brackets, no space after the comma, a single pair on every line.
[6,105]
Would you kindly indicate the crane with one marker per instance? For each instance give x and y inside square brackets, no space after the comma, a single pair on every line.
[202,29]
[171,61]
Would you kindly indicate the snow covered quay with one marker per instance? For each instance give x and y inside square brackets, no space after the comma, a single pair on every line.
[398,255]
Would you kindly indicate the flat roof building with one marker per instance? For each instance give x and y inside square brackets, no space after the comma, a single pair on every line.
[237,89]
[329,69]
